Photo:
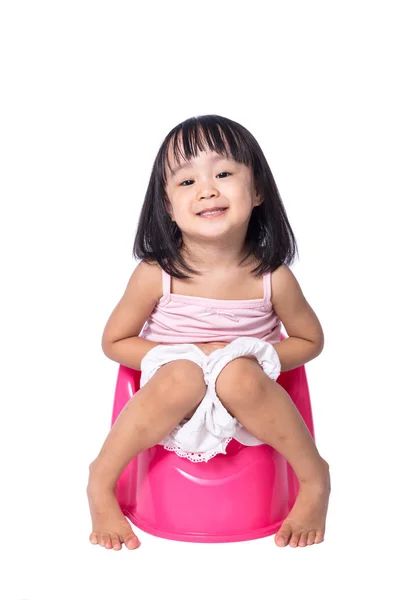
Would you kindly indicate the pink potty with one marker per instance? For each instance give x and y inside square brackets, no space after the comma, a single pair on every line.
[244,494]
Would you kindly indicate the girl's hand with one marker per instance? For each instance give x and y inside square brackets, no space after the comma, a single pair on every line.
[209,347]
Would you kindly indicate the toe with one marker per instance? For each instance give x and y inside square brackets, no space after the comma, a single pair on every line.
[283,535]
[116,543]
[107,540]
[131,541]
[311,538]
[93,537]
[303,539]
[294,540]
[319,537]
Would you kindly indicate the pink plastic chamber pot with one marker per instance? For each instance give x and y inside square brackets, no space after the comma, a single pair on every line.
[244,494]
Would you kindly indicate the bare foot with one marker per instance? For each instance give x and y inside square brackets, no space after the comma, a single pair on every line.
[110,527]
[305,524]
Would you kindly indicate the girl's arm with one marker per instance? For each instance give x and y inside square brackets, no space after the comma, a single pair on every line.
[306,337]
[120,341]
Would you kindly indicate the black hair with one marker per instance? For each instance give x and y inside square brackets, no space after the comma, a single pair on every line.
[269,237]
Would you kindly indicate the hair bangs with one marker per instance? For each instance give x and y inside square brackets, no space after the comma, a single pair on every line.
[201,134]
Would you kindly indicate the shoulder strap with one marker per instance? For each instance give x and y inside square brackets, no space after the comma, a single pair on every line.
[166,284]
[267,290]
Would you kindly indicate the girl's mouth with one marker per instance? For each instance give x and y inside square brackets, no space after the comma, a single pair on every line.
[213,213]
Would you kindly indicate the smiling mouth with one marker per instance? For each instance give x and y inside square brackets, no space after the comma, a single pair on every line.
[212,213]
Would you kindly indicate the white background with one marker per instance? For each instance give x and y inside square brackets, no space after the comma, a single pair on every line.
[88,92]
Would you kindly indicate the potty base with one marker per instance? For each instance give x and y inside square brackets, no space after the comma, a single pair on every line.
[202,538]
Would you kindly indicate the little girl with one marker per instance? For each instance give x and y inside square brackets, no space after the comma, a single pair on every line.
[201,318]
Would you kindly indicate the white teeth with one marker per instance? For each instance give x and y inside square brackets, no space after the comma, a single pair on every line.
[212,212]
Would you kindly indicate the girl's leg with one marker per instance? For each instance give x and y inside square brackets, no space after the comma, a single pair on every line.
[153,412]
[265,409]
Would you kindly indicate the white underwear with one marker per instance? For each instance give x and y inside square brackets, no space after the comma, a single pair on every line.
[208,432]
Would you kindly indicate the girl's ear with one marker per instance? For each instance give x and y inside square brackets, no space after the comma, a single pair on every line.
[170,213]
[258,200]
[168,210]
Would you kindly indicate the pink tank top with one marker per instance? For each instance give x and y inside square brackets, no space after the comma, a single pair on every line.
[180,319]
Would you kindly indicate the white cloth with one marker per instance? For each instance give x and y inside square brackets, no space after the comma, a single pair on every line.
[211,428]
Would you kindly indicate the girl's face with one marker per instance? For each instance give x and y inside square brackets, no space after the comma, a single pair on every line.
[210,181]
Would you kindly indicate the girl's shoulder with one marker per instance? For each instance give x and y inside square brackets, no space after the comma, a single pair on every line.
[149,274]
[283,283]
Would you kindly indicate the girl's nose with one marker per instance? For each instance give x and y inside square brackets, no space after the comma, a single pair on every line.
[207,190]
[207,194]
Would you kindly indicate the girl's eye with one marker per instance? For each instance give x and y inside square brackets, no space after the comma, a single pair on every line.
[222,173]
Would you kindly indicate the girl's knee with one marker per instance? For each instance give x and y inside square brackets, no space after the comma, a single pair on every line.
[184,375]
[240,379]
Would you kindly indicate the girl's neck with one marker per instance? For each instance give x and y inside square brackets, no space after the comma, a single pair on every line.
[216,261]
